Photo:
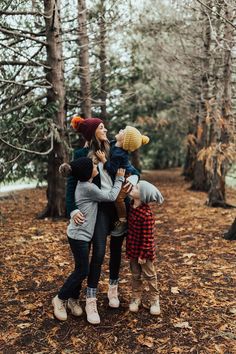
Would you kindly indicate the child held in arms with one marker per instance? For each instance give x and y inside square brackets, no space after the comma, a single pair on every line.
[127,140]
[140,245]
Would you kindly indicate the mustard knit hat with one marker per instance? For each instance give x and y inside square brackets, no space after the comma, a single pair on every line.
[133,139]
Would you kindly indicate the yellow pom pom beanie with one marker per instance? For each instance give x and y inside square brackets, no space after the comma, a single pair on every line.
[133,139]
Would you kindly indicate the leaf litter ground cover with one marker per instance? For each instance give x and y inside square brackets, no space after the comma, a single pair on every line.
[196,271]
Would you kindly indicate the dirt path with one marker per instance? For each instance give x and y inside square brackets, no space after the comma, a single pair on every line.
[196,271]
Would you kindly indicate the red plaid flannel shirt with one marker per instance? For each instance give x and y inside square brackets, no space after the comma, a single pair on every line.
[140,237]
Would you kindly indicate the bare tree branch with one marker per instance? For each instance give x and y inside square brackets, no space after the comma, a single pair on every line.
[25,85]
[18,13]
[15,63]
[24,56]
[216,13]
[24,103]
[30,151]
[15,159]
[37,34]
[17,94]
[14,33]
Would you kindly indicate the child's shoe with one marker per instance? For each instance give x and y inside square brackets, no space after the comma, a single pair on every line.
[134,305]
[155,307]
[91,310]
[120,228]
[59,308]
[113,296]
[74,306]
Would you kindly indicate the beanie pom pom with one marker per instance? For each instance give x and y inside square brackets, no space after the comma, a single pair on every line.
[76,121]
[65,169]
[145,139]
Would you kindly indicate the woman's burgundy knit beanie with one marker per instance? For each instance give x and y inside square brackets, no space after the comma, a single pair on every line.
[86,127]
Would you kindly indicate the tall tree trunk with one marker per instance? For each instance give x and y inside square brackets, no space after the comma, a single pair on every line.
[103,61]
[233,78]
[190,158]
[222,114]
[55,98]
[135,156]
[200,181]
[84,71]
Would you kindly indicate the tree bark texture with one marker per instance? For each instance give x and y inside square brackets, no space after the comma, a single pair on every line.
[84,69]
[56,97]
[103,61]
[222,110]
[200,181]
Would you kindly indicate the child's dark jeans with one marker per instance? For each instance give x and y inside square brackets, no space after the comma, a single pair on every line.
[72,285]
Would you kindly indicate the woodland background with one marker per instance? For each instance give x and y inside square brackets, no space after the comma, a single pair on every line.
[166,67]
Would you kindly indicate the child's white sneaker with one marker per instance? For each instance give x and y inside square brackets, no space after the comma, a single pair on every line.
[155,307]
[113,296]
[134,305]
[59,308]
[74,306]
[91,310]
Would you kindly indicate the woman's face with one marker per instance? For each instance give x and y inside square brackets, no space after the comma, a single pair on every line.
[101,133]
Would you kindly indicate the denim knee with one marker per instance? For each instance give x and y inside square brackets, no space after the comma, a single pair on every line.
[99,256]
[81,274]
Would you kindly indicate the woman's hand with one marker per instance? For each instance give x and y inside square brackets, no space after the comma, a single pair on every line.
[120,172]
[101,155]
[78,218]
[141,261]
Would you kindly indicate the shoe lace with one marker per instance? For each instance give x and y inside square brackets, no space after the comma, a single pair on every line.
[93,306]
[113,292]
[62,305]
[75,302]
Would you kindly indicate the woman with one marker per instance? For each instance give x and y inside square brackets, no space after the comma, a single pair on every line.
[95,134]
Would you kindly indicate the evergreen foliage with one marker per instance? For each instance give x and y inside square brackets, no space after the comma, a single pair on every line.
[152,79]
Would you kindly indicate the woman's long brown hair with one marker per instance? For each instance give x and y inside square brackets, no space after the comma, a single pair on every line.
[95,145]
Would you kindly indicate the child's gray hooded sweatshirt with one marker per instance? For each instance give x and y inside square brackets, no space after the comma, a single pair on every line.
[87,196]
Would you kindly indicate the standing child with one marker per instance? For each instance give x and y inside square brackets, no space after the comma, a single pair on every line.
[87,196]
[140,245]
[127,140]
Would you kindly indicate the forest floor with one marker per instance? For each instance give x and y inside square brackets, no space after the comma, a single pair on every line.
[196,271]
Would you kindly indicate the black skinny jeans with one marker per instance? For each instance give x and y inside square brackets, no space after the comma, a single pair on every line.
[106,217]
[80,250]
[72,285]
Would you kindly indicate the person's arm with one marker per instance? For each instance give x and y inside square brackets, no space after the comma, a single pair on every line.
[98,195]
[113,164]
[132,170]
[147,238]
